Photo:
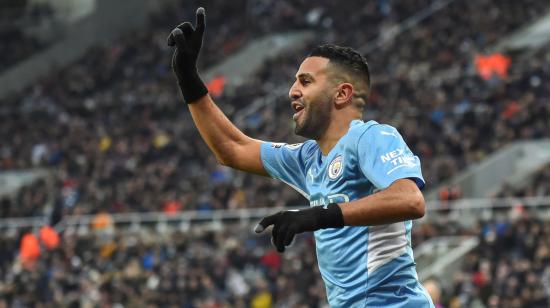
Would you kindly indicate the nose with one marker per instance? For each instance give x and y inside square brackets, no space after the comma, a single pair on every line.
[294,93]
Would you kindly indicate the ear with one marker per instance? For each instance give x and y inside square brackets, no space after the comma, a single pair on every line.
[344,94]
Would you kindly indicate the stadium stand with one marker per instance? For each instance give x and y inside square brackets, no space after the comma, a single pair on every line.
[176,269]
[111,266]
[15,18]
[114,130]
[94,148]
[115,269]
[539,187]
[29,201]
[509,268]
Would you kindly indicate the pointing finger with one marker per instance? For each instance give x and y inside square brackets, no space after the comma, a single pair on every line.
[201,23]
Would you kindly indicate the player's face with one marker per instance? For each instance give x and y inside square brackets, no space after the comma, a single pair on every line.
[311,98]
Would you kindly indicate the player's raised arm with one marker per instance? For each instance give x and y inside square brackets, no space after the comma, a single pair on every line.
[230,146]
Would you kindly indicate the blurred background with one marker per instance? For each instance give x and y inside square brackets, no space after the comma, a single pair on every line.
[109,197]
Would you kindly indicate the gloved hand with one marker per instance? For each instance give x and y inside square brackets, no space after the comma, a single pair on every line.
[286,224]
[188,41]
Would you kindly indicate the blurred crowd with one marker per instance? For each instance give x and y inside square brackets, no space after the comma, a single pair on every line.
[29,201]
[17,17]
[231,267]
[118,138]
[113,126]
[540,186]
[228,266]
[509,268]
[195,268]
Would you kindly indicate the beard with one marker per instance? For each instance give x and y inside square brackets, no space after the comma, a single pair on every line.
[314,121]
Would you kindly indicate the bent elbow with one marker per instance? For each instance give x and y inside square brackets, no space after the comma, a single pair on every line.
[227,155]
[418,206]
[224,157]
[223,161]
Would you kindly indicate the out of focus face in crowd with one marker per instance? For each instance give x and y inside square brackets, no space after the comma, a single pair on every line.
[311,98]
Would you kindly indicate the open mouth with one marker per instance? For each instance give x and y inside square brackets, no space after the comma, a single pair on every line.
[298,109]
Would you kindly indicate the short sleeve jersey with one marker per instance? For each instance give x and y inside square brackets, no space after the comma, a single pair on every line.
[370,157]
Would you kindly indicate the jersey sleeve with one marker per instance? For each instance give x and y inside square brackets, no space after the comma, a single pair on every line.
[384,157]
[286,162]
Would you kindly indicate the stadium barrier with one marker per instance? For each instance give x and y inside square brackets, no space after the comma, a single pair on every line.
[514,165]
[466,211]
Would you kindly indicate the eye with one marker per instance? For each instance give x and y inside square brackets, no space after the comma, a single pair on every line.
[305,82]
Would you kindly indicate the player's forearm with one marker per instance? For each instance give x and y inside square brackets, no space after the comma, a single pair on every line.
[218,132]
[399,202]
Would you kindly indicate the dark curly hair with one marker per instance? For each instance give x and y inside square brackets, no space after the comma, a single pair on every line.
[347,59]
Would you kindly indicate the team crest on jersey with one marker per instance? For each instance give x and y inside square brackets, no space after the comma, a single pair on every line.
[335,168]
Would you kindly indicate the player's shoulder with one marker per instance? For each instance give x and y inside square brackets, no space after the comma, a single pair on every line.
[371,129]
[307,146]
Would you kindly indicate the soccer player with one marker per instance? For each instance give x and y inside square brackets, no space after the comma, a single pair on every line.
[362,181]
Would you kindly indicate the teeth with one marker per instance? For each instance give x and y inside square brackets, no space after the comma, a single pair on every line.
[297,114]
[297,106]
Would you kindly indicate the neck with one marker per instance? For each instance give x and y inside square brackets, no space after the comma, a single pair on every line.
[334,132]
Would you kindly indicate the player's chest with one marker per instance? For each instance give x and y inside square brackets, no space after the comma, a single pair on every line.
[333,173]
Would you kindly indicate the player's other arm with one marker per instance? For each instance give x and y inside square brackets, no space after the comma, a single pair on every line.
[230,146]
[401,201]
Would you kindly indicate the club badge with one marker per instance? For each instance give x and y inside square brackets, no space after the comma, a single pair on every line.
[335,168]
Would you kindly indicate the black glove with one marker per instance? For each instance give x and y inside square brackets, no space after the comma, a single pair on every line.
[286,224]
[188,41]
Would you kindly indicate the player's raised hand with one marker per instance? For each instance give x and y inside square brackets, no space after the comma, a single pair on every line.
[188,42]
[286,224]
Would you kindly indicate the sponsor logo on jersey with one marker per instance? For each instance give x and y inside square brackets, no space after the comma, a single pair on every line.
[399,158]
[335,168]
[277,145]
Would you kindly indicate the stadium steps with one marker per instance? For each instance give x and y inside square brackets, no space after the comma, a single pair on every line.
[12,181]
[514,165]
[532,36]
[103,27]
[241,66]
[108,21]
[441,257]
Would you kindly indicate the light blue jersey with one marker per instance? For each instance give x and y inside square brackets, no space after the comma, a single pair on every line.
[361,266]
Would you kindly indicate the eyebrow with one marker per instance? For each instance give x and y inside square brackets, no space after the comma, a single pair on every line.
[305,75]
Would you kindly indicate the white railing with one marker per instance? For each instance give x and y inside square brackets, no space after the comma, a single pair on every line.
[434,208]
[488,203]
